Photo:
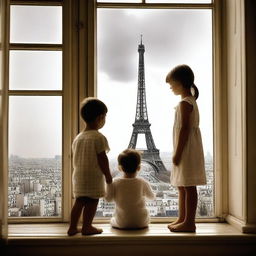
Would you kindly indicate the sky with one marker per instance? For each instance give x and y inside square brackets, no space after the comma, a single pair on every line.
[171,37]
[35,123]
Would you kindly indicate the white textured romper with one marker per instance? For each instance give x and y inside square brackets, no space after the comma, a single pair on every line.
[88,179]
[191,169]
[130,194]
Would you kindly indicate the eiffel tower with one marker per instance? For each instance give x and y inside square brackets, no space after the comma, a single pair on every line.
[141,124]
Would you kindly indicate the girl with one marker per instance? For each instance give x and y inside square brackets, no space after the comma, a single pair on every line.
[188,158]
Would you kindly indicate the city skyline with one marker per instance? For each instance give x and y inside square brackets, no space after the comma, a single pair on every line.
[35,189]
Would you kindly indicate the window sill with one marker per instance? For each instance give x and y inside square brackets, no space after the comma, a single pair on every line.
[210,238]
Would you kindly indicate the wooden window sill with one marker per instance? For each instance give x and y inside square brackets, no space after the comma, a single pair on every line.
[210,239]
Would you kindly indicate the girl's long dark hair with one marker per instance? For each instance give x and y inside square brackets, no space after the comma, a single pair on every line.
[196,91]
[184,75]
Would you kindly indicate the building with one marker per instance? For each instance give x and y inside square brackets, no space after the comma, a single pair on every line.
[20,200]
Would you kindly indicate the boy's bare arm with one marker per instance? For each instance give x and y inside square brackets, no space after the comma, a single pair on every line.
[104,166]
[109,196]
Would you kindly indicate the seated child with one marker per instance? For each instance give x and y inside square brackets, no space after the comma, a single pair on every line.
[129,193]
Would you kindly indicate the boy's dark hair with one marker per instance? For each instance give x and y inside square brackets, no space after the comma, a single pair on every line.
[91,108]
[129,159]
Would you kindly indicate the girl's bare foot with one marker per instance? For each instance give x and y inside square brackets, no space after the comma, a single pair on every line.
[73,231]
[174,223]
[91,231]
[183,227]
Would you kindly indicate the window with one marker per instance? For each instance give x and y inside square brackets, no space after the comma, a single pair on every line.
[43,122]
[171,36]
[35,110]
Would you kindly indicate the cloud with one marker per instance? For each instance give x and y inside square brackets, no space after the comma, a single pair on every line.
[167,35]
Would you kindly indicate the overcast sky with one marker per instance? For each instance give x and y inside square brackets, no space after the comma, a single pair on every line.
[35,128]
[171,37]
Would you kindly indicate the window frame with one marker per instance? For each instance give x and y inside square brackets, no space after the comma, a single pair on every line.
[64,93]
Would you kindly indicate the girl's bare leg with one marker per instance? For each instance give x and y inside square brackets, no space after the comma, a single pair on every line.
[182,212]
[88,215]
[188,225]
[75,215]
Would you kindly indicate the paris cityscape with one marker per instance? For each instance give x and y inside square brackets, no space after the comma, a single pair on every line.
[35,189]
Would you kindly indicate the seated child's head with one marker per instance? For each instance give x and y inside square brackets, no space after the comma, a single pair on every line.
[129,160]
[92,109]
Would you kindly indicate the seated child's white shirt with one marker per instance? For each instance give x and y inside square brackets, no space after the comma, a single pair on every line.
[88,179]
[129,195]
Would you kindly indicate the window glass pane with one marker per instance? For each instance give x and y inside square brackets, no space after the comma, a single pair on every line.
[35,70]
[171,37]
[35,149]
[181,1]
[36,24]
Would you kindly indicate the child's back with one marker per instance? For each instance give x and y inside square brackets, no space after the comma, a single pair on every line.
[90,164]
[129,195]
[88,179]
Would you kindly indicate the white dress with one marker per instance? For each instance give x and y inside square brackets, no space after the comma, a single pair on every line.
[191,169]
[129,195]
[88,179]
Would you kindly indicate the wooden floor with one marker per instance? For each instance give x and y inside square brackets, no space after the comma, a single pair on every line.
[51,239]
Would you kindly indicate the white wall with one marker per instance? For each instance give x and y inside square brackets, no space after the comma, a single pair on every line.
[236,103]
[240,118]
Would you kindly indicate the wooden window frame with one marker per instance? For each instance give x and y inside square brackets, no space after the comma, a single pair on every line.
[65,93]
